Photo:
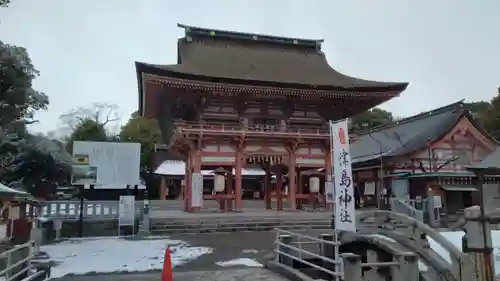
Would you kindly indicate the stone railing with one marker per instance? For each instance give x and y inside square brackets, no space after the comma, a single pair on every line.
[407,208]
[92,210]
[295,255]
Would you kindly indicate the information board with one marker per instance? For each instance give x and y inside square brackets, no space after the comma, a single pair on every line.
[126,210]
[197,190]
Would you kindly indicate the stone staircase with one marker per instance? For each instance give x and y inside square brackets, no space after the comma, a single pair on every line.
[233,224]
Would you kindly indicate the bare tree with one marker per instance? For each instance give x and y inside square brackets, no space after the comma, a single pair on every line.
[101,113]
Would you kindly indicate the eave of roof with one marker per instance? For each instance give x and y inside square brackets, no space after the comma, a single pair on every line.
[408,135]
[217,56]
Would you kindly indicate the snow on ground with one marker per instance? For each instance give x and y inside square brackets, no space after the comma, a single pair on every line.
[113,254]
[455,237]
[241,261]
[250,251]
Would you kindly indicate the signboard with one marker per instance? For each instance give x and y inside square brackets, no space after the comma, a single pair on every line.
[82,172]
[126,210]
[106,163]
[437,202]
[197,190]
[345,211]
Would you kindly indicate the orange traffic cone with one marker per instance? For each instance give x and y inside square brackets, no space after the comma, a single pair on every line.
[166,273]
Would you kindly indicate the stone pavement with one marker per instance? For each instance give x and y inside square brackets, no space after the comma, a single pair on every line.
[243,274]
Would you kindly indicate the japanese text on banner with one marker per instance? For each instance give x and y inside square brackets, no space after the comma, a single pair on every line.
[344,186]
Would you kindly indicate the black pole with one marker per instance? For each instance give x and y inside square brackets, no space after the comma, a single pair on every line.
[80,219]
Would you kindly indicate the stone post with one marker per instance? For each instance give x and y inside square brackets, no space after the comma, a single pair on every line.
[327,250]
[144,231]
[57,227]
[352,267]
[284,259]
[407,268]
[477,244]
[431,210]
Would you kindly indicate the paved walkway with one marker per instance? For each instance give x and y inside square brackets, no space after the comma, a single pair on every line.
[244,274]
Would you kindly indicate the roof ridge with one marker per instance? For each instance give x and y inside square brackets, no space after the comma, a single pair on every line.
[419,116]
[252,36]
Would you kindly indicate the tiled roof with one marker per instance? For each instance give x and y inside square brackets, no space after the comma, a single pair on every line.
[215,56]
[407,135]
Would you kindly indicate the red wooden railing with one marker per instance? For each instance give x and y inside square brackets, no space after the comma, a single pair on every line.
[185,126]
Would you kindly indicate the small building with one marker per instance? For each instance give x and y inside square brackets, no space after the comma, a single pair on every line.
[237,99]
[423,154]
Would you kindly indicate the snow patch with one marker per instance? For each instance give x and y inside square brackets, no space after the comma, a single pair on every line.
[105,255]
[455,237]
[250,251]
[241,261]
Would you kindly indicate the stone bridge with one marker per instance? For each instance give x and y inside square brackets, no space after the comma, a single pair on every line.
[384,237]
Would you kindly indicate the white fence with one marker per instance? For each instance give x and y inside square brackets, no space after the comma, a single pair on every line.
[92,210]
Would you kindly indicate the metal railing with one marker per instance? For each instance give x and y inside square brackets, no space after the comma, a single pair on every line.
[197,127]
[291,246]
[294,248]
[70,210]
[17,261]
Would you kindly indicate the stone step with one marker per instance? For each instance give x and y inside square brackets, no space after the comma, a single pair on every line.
[229,221]
[208,229]
[237,224]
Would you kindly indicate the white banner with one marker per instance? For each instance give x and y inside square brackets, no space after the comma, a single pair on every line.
[197,190]
[345,212]
[126,210]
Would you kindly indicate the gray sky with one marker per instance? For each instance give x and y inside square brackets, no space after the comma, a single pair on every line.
[85,49]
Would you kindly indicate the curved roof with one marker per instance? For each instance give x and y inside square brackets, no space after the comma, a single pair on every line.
[243,58]
[407,135]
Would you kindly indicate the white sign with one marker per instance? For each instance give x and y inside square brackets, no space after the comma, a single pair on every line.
[345,211]
[112,163]
[126,210]
[197,190]
[437,202]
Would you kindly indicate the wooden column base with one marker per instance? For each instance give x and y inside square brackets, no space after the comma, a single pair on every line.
[329,206]
[195,210]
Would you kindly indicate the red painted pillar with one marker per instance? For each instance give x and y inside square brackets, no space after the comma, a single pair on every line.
[292,182]
[328,174]
[229,187]
[187,185]
[267,190]
[279,190]
[163,189]
[237,179]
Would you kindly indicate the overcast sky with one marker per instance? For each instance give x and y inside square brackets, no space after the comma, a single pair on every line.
[85,49]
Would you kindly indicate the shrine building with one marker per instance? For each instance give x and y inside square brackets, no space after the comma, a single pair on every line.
[238,100]
[422,156]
